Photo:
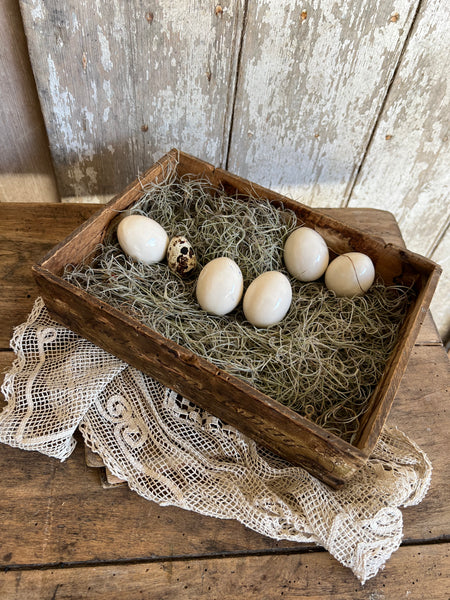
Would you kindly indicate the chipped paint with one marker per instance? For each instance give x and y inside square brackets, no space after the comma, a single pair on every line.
[71,138]
[108,90]
[94,115]
[62,101]
[105,50]
[89,119]
[310,91]
[411,170]
[37,9]
[93,86]
[75,23]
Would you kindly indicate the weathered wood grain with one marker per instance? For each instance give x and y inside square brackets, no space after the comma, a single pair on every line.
[414,573]
[419,409]
[26,171]
[28,231]
[54,512]
[121,82]
[311,83]
[407,163]
[73,520]
[408,158]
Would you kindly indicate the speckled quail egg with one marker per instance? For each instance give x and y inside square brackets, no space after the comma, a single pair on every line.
[181,257]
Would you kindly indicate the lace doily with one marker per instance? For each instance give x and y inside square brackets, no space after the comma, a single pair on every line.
[174,453]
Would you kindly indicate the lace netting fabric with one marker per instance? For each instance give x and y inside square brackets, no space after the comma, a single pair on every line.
[174,453]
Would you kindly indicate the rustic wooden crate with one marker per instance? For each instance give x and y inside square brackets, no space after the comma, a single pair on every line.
[270,423]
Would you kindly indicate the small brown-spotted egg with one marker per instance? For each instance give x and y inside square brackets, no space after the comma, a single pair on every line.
[181,257]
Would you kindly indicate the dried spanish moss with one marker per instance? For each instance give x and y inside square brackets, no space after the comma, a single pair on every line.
[325,358]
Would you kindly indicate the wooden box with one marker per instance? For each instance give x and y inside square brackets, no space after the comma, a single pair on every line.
[264,419]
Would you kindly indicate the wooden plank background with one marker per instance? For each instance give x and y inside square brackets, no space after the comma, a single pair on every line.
[120,84]
[26,171]
[334,103]
[310,90]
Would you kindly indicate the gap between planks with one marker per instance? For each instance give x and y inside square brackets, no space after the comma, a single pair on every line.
[316,575]
[197,557]
[353,180]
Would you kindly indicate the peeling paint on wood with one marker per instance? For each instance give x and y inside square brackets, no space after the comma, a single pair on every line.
[407,167]
[105,69]
[311,83]
[26,171]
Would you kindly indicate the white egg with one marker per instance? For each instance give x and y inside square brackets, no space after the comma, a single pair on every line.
[306,254]
[267,299]
[350,274]
[220,286]
[142,238]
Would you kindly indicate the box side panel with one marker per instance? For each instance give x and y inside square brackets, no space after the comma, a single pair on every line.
[383,397]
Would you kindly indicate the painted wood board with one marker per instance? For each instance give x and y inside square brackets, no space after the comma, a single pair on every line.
[414,572]
[311,83]
[407,166]
[26,171]
[120,83]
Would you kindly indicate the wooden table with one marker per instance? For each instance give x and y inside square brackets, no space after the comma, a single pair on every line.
[64,536]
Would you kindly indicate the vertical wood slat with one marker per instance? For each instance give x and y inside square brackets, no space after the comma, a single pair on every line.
[312,79]
[440,304]
[26,172]
[407,166]
[120,81]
